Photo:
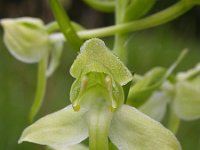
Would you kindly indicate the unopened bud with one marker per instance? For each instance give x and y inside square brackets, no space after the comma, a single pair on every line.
[26,38]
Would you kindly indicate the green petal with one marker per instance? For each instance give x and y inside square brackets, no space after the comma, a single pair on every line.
[142,89]
[190,74]
[99,118]
[26,38]
[187,99]
[132,130]
[55,54]
[156,106]
[62,128]
[73,147]
[96,57]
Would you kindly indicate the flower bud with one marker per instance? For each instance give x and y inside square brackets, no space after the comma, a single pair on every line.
[187,89]
[26,38]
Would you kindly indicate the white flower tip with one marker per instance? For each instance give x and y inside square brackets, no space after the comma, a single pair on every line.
[22,139]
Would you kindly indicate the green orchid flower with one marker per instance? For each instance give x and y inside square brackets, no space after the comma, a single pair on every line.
[28,40]
[98,110]
[186,102]
[182,97]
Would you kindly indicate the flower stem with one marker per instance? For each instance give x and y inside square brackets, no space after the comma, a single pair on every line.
[151,21]
[154,20]
[104,6]
[65,24]
[119,44]
[40,90]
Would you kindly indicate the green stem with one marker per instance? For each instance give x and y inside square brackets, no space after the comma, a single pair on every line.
[120,47]
[40,90]
[53,26]
[175,64]
[154,20]
[119,44]
[65,24]
[104,6]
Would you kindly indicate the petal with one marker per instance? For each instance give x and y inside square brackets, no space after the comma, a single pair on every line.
[96,57]
[192,73]
[132,130]
[142,89]
[56,51]
[26,38]
[156,106]
[73,147]
[151,81]
[62,128]
[187,100]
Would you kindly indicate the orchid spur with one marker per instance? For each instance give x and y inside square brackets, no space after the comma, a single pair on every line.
[98,110]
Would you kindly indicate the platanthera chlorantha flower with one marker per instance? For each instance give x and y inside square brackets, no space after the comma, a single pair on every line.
[97,110]
[26,38]
[186,101]
[28,41]
[183,97]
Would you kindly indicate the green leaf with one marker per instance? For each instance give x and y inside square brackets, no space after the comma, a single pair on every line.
[65,24]
[96,57]
[103,6]
[132,130]
[62,128]
[187,99]
[26,38]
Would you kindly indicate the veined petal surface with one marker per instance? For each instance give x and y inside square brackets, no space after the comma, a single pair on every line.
[62,128]
[132,130]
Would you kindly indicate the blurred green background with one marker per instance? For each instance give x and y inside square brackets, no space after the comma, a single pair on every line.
[154,47]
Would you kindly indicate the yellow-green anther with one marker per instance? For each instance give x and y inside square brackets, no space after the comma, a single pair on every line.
[76,105]
[76,102]
[84,82]
[109,85]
